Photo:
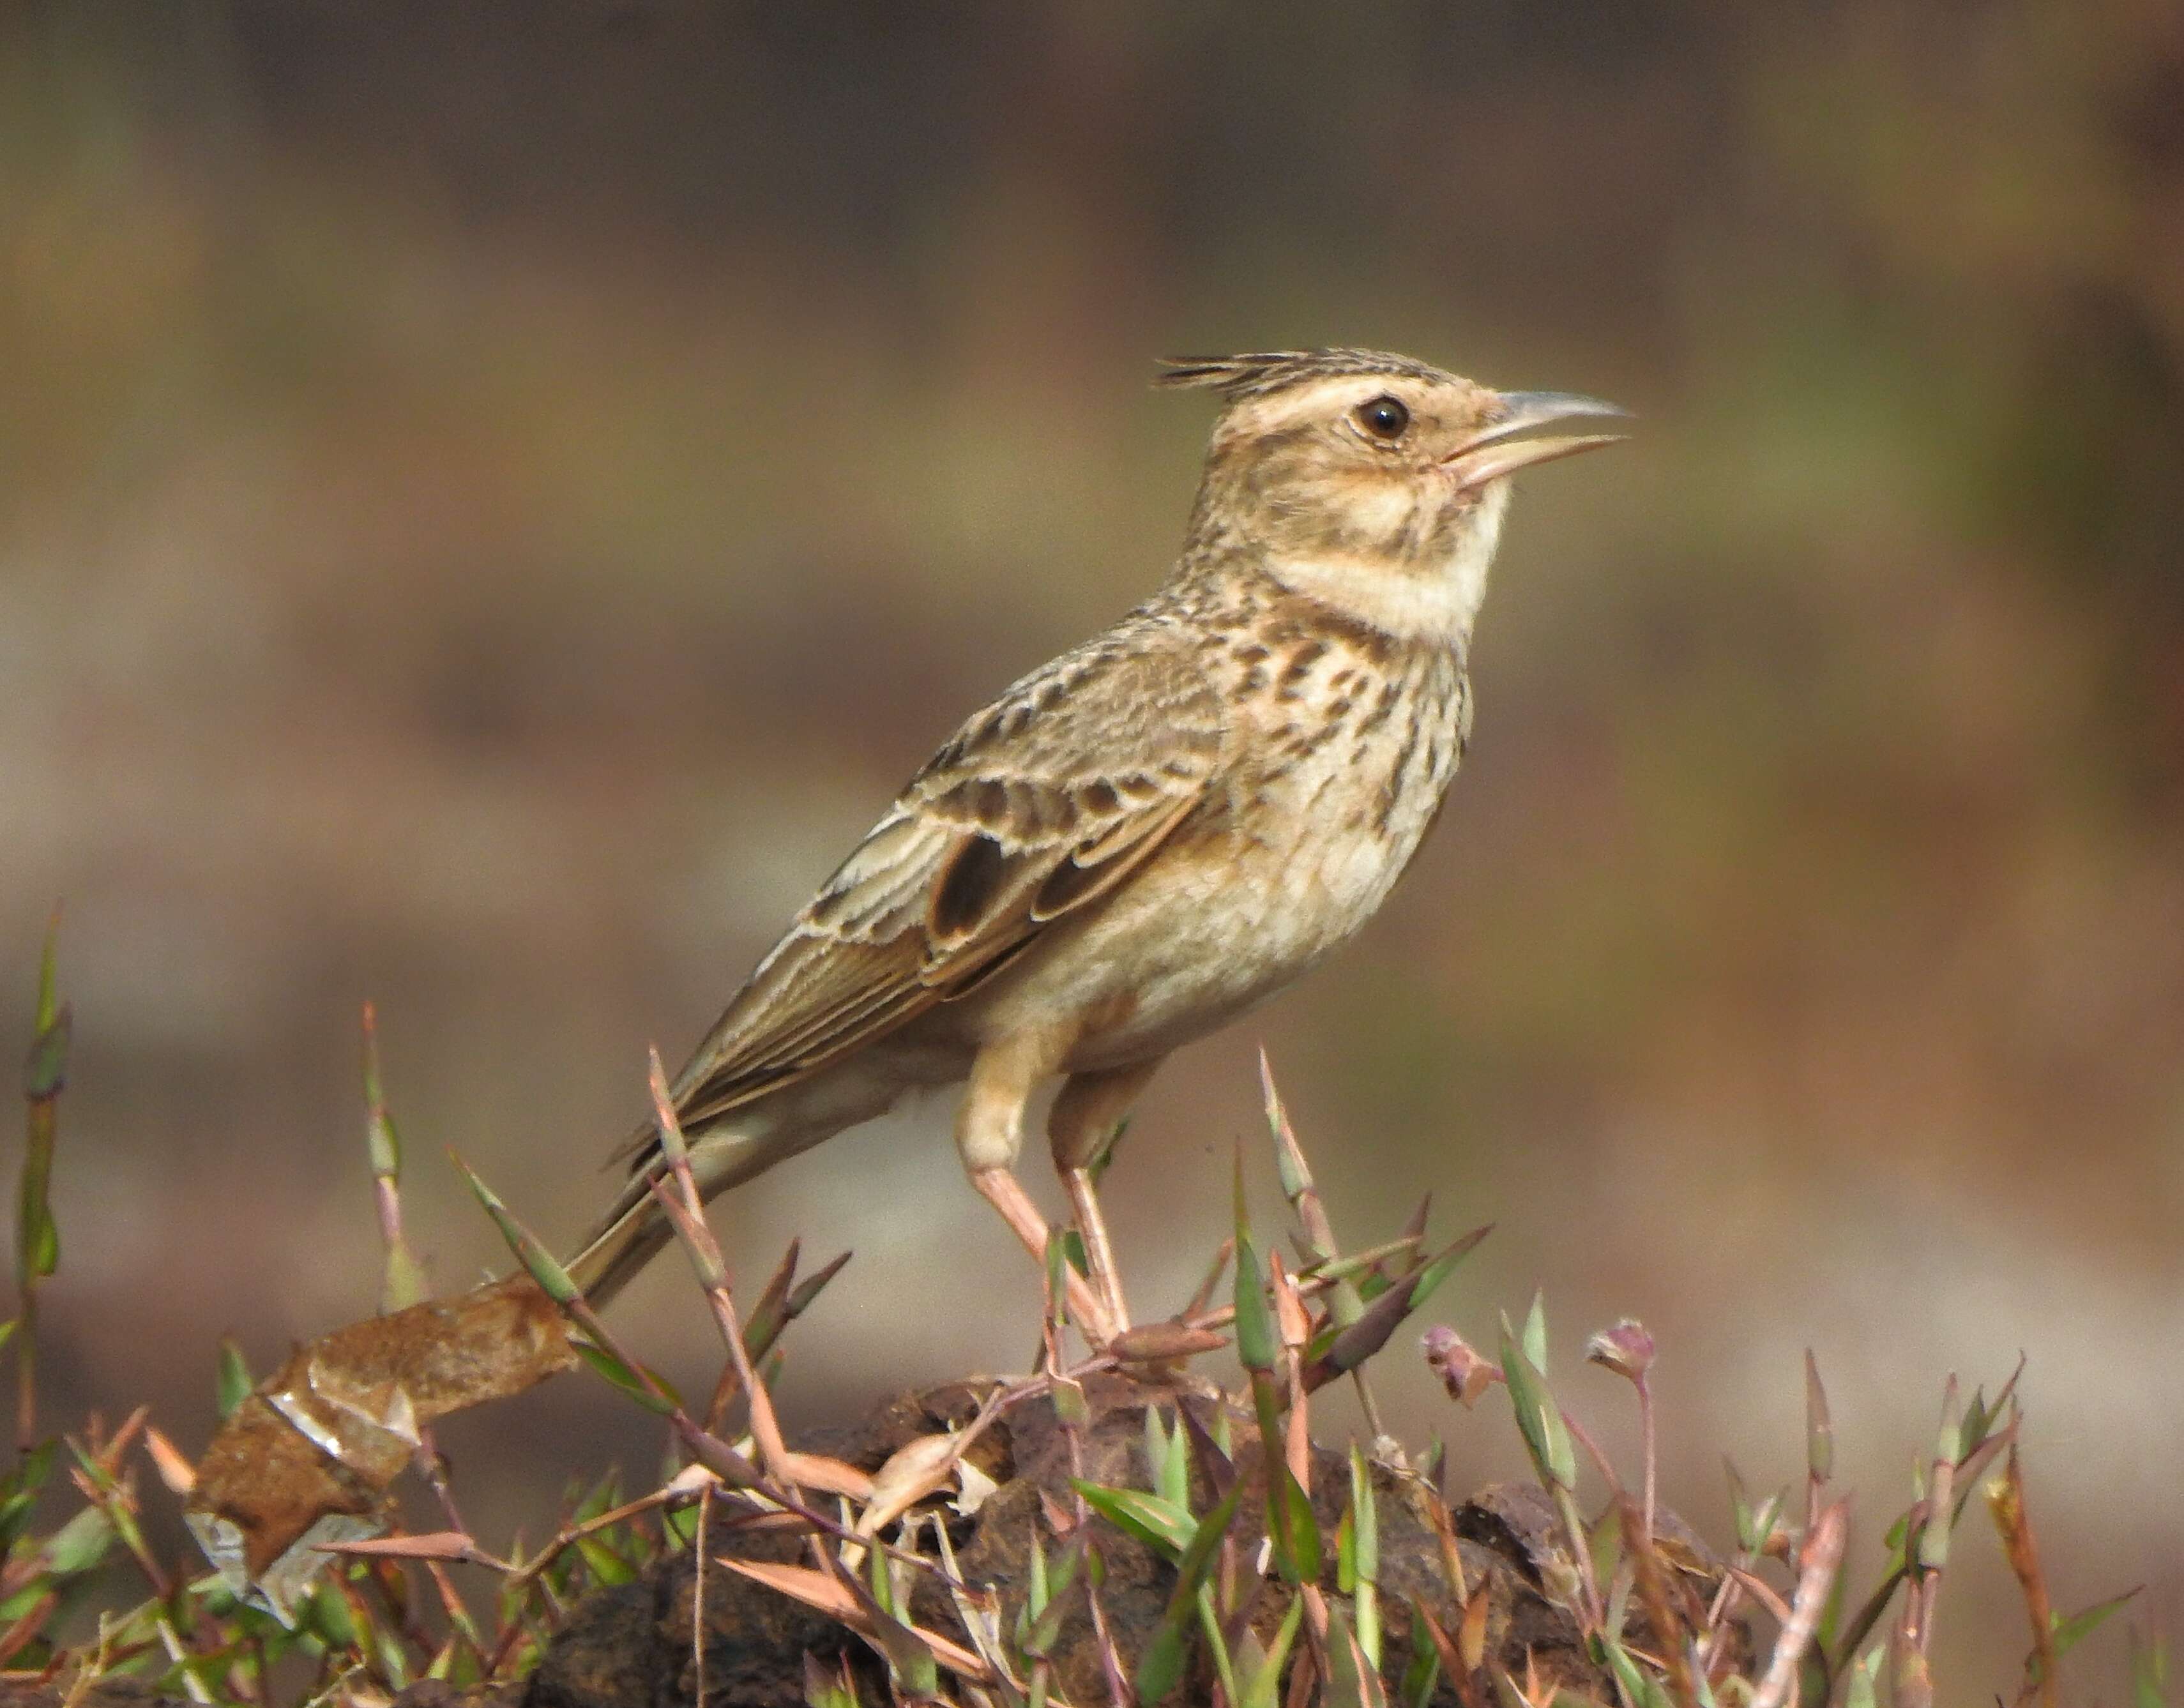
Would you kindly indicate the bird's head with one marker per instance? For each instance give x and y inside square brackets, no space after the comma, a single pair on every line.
[1370,481]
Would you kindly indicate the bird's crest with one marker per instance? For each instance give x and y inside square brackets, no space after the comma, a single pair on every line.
[1258,374]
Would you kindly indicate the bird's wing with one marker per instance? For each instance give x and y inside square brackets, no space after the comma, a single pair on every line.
[1042,802]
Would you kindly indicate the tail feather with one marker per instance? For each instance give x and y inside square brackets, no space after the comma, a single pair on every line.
[732,1149]
[636,1229]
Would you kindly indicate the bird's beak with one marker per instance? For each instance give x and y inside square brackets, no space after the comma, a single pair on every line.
[1495,450]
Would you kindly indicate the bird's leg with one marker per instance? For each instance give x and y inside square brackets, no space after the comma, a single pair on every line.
[990,1132]
[1086,1111]
[1099,1250]
[1001,1187]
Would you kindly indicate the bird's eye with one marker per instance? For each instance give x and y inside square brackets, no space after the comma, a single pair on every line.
[1383,418]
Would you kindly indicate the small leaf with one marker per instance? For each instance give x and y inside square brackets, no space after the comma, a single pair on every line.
[1539,1419]
[44,1069]
[79,1544]
[1207,1454]
[1819,1430]
[328,1616]
[1428,1279]
[1174,1479]
[1353,1265]
[1367,1516]
[25,1602]
[807,1290]
[1171,1469]
[231,1381]
[1933,1542]
[1035,1595]
[1159,1524]
[1263,1684]
[910,1662]
[1366,1512]
[382,1144]
[826,1690]
[1859,1692]
[48,1009]
[1350,1683]
[656,1400]
[763,1321]
[1421,1676]
[608,1568]
[1070,1405]
[553,1280]
[1606,1546]
[406,1282]
[1375,1326]
[1256,1347]
[2149,1672]
[1289,1156]
[1766,1522]
[2072,1631]
[1641,1689]
[1216,1644]
[1161,1668]
[1037,1637]
[1156,1436]
[1536,1332]
[1291,1525]
[1739,1508]
[1429,1467]
[1977,1420]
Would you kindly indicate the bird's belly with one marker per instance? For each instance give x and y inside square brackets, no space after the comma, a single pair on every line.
[1218,925]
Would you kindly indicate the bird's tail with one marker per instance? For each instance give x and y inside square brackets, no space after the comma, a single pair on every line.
[633,1232]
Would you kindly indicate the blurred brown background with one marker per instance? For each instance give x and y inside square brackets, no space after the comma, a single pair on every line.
[491,500]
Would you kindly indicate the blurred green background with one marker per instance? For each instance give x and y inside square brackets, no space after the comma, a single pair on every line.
[493,498]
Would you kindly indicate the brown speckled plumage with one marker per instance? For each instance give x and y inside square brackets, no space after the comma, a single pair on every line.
[1142,838]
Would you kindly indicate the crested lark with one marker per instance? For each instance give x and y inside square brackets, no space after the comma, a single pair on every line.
[1140,840]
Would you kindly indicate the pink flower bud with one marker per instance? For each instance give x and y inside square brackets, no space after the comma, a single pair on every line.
[1625,1349]
[1462,1371]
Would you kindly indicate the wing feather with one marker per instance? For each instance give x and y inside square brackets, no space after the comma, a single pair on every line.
[1041,804]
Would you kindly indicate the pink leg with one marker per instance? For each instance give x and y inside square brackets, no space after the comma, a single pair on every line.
[1087,1110]
[1002,1189]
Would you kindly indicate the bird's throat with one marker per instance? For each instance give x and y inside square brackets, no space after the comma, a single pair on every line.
[1410,596]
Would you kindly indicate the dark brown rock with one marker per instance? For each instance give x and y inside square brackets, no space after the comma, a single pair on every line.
[135,1693]
[432,1693]
[633,1647]
[107,1693]
[607,1655]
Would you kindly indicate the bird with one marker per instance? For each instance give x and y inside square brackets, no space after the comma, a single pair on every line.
[1143,838]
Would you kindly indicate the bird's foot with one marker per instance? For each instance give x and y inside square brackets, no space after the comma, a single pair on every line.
[1099,1250]
[1002,1189]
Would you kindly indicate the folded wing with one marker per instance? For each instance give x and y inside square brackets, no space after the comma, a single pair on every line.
[1042,804]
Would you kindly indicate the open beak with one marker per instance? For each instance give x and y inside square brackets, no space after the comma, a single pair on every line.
[1495,450]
